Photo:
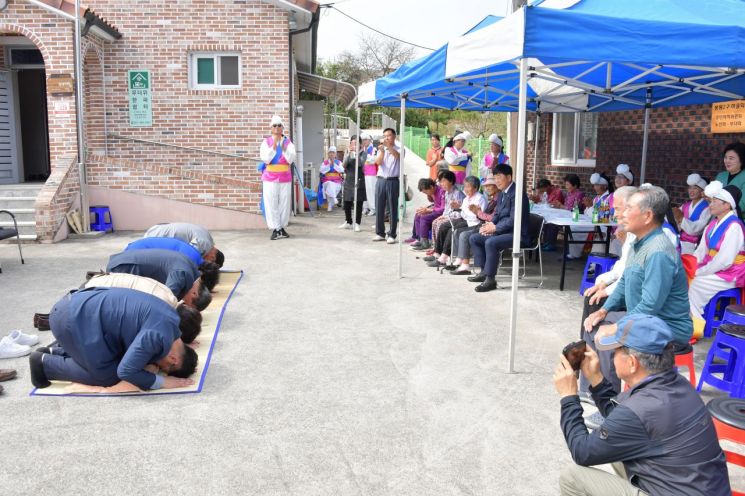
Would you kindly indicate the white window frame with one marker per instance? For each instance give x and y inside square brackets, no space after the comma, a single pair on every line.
[576,161]
[216,56]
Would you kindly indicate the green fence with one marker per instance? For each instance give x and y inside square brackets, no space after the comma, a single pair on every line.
[417,139]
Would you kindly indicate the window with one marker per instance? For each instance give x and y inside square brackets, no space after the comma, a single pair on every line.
[26,57]
[574,140]
[215,70]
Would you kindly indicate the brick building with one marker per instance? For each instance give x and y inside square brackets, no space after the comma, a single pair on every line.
[679,142]
[217,70]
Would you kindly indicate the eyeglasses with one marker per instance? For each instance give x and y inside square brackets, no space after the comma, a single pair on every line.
[277,125]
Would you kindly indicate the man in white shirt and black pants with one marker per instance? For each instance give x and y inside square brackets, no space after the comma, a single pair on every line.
[387,187]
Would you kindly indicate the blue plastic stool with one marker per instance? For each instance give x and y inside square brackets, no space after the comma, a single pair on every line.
[728,346]
[101,218]
[714,310]
[602,264]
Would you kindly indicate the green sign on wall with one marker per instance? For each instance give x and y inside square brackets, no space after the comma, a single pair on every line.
[140,100]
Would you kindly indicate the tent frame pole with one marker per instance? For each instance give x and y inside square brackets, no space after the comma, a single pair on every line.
[356,169]
[519,176]
[535,147]
[401,192]
[645,140]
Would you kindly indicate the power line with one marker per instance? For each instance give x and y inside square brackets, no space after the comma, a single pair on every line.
[331,6]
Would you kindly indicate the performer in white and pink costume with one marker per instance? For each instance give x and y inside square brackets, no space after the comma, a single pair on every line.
[277,154]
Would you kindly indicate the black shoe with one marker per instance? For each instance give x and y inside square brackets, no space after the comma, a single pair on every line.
[434,263]
[38,377]
[283,233]
[490,284]
[450,268]
[429,258]
[460,272]
[43,324]
[477,278]
[275,235]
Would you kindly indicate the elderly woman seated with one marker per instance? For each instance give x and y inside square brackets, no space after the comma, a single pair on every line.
[425,215]
[453,199]
[463,218]
[462,247]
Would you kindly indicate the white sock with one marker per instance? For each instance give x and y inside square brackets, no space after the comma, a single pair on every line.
[464,266]
[458,261]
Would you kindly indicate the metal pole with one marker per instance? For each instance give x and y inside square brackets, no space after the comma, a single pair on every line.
[356,170]
[535,147]
[84,213]
[333,118]
[401,198]
[519,187]
[299,204]
[643,171]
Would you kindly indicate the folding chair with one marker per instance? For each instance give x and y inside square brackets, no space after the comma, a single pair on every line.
[535,230]
[6,232]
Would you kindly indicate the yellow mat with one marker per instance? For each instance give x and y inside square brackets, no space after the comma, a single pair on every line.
[211,320]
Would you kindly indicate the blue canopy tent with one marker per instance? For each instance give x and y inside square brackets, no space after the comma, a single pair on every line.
[578,56]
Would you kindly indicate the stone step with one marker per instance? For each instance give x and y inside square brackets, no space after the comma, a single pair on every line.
[22,214]
[12,202]
[20,190]
[24,226]
[25,238]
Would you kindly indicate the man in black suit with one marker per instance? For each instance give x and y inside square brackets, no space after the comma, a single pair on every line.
[496,235]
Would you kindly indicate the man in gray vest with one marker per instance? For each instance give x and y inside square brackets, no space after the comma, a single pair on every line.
[658,435]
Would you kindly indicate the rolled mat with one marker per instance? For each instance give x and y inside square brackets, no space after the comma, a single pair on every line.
[211,320]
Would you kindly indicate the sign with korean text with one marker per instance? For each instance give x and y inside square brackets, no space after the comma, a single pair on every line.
[60,85]
[140,100]
[728,117]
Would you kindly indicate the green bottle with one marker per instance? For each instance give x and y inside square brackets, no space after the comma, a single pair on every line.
[575,214]
[595,214]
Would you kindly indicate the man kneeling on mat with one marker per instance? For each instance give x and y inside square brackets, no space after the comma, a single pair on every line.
[114,337]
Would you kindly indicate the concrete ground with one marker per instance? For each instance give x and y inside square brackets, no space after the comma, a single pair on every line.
[330,376]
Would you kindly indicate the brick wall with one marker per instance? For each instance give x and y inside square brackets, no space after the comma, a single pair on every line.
[159,36]
[60,192]
[680,142]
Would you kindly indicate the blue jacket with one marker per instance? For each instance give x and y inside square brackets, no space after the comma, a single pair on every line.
[661,431]
[120,329]
[504,216]
[172,244]
[171,268]
[655,283]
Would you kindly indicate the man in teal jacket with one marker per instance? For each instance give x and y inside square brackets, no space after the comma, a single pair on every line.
[654,281]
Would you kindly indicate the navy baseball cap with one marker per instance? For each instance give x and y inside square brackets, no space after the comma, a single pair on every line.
[640,332]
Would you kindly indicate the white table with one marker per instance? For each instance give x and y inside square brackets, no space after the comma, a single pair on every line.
[563,218]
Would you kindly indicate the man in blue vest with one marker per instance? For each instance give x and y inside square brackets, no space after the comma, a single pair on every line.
[109,335]
[658,435]
[197,236]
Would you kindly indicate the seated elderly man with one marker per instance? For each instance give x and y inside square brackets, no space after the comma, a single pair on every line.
[197,236]
[107,336]
[721,252]
[658,435]
[168,267]
[497,234]
[653,281]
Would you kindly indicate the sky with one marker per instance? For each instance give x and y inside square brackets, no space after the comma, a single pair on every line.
[429,23]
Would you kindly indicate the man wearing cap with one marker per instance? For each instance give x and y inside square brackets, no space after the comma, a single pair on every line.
[694,215]
[387,188]
[494,157]
[277,154]
[624,176]
[459,159]
[331,178]
[370,171]
[658,435]
[721,253]
[497,234]
[653,281]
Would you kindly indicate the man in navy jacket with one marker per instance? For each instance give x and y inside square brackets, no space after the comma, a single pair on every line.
[497,235]
[173,244]
[658,434]
[109,335]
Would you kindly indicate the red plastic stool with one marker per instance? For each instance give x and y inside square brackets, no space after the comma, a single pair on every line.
[729,420]
[684,358]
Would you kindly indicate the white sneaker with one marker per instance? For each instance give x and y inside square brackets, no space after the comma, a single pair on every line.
[24,339]
[10,349]
[378,238]
[390,240]
[331,207]
[357,228]
[346,225]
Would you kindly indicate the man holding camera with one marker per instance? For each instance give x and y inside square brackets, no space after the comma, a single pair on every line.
[658,435]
